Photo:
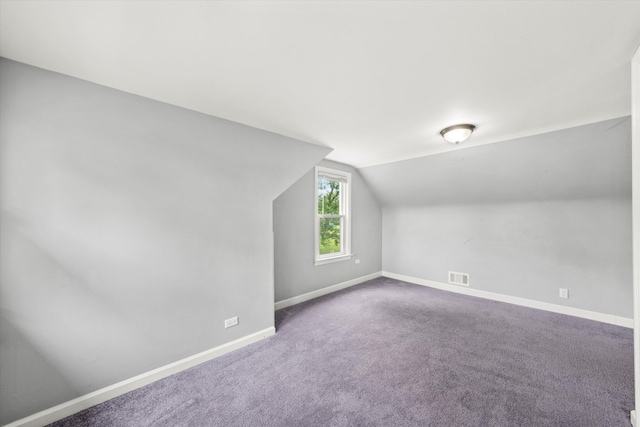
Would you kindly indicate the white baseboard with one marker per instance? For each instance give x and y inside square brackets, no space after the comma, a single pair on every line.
[81,403]
[633,418]
[571,311]
[324,291]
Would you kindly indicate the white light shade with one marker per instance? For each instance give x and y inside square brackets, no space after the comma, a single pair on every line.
[457,133]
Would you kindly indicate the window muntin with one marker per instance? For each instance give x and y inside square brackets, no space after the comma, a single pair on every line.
[332,222]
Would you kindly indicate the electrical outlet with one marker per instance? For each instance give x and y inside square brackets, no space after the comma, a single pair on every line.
[564,293]
[357,261]
[231,322]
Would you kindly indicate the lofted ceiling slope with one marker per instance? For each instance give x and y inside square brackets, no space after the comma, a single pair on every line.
[585,162]
[375,81]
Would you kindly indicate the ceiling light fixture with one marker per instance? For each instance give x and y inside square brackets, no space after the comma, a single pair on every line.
[457,133]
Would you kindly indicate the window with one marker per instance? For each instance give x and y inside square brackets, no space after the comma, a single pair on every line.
[332,219]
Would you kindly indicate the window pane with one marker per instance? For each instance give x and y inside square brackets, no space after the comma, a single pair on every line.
[329,235]
[328,197]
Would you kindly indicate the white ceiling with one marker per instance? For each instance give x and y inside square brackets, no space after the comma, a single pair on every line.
[376,81]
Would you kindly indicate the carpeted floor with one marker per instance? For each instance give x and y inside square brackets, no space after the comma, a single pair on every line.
[389,353]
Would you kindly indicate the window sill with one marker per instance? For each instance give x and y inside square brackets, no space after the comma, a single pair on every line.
[343,257]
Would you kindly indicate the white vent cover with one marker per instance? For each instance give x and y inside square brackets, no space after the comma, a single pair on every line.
[459,278]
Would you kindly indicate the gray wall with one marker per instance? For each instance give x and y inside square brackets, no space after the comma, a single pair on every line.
[523,217]
[293,216]
[130,229]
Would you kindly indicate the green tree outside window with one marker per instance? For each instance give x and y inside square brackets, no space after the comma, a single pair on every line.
[330,225]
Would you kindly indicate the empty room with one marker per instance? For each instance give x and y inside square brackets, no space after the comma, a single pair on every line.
[319,213]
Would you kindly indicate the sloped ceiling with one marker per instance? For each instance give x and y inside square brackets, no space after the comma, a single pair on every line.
[586,162]
[375,81]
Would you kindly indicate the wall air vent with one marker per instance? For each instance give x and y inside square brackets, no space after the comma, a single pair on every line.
[461,279]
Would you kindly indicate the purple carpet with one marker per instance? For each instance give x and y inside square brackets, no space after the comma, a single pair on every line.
[389,353]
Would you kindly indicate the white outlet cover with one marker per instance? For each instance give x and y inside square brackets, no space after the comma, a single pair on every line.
[231,322]
[564,293]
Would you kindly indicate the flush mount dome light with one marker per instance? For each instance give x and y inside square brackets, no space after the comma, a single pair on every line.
[457,133]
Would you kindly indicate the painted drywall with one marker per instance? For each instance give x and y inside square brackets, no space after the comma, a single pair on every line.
[293,216]
[635,137]
[523,217]
[130,230]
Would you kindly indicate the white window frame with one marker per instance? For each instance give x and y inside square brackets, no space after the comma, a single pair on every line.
[345,212]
